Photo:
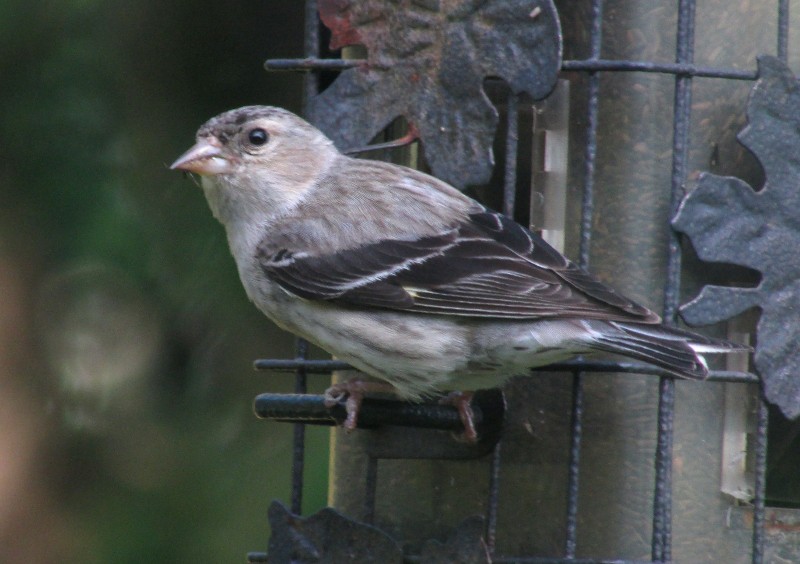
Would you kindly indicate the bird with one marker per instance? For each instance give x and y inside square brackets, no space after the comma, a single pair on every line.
[402,275]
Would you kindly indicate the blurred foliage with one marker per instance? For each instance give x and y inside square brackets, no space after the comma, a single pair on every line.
[126,341]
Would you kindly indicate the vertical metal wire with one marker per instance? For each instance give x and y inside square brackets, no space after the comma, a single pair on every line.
[509,204]
[587,212]
[576,430]
[512,144]
[783,30]
[493,500]
[371,488]
[759,508]
[762,417]
[311,86]
[590,153]
[680,152]
[662,501]
[311,50]
[661,550]
[299,442]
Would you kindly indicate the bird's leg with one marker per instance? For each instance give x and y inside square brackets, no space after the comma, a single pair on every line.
[352,392]
[462,401]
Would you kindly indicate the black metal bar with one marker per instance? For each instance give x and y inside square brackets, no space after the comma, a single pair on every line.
[590,65]
[311,64]
[493,502]
[545,560]
[512,145]
[576,436]
[509,205]
[625,367]
[298,444]
[683,69]
[311,50]
[327,366]
[662,501]
[370,490]
[662,497]
[783,30]
[680,154]
[374,412]
[759,504]
[584,251]
[732,377]
[311,87]
[310,366]
[590,150]
[414,559]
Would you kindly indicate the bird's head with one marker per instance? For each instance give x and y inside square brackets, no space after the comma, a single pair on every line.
[257,160]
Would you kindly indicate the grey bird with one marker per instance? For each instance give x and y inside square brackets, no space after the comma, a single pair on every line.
[402,275]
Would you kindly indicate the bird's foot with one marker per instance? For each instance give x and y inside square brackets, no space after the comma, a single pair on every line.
[352,392]
[462,401]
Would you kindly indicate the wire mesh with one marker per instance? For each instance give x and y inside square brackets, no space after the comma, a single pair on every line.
[683,70]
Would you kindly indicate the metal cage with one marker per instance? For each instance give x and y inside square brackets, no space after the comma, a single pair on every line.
[591,68]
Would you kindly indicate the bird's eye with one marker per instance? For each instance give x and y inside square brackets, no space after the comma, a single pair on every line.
[257,137]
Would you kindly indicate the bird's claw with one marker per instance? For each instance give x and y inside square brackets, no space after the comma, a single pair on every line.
[462,401]
[352,392]
[334,394]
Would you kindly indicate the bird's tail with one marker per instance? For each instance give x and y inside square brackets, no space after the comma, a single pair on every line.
[676,350]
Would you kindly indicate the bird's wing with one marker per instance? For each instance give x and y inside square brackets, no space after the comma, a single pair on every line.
[487,266]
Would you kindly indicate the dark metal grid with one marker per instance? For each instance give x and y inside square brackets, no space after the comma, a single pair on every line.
[684,70]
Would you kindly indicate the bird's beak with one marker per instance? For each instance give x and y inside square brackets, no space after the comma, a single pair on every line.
[205,158]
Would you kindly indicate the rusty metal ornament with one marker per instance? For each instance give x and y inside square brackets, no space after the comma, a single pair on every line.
[327,537]
[729,221]
[427,60]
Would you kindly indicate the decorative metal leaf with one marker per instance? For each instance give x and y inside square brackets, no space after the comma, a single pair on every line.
[427,60]
[728,221]
[327,537]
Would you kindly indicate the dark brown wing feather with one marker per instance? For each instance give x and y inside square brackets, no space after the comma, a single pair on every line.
[487,266]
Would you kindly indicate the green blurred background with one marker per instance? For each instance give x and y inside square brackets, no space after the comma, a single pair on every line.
[126,341]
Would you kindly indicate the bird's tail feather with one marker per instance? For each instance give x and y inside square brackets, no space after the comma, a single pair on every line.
[676,350]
